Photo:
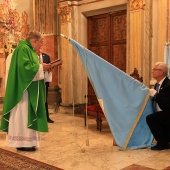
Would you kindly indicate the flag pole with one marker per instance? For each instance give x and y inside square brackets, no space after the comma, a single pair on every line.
[87,140]
[64,36]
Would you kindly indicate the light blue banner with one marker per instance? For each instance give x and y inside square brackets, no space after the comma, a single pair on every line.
[122,98]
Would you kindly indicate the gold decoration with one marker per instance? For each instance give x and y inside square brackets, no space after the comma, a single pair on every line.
[136,5]
[65,14]
[13,27]
[24,26]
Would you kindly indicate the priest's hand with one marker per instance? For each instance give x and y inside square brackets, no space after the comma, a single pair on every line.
[46,66]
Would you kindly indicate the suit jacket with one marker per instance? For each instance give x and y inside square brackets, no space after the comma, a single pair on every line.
[163,97]
[46,59]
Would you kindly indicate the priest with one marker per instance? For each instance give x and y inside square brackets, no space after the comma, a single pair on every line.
[24,114]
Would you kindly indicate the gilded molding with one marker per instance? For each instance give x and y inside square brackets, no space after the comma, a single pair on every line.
[65,13]
[136,5]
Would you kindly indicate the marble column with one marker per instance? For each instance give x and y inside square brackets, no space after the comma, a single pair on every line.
[71,72]
[140,30]
[64,12]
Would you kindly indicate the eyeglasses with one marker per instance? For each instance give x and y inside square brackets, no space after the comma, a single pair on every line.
[155,69]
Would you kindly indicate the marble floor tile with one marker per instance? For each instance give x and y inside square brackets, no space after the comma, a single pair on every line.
[72,146]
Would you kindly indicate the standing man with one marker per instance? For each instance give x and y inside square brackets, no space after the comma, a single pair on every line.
[47,78]
[24,114]
[159,121]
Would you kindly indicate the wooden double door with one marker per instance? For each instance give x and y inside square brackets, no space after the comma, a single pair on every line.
[107,39]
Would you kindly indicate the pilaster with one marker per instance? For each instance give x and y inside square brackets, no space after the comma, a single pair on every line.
[140,32]
[70,69]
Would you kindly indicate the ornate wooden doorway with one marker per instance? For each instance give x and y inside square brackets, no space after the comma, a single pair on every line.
[107,38]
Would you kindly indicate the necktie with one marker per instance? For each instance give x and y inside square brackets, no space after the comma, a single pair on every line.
[157,86]
[154,103]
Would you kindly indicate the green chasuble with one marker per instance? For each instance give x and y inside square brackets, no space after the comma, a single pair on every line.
[23,68]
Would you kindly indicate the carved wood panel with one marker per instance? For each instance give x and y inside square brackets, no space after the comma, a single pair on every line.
[119,59]
[107,39]
[99,35]
[118,39]
[102,51]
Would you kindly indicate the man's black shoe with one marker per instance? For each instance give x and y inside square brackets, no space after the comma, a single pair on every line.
[158,148]
[26,149]
[50,121]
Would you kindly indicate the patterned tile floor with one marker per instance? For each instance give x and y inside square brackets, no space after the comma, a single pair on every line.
[71,146]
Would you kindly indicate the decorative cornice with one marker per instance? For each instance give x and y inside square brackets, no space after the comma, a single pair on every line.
[136,4]
[78,2]
[65,13]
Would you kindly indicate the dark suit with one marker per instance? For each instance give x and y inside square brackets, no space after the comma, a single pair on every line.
[46,59]
[159,122]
